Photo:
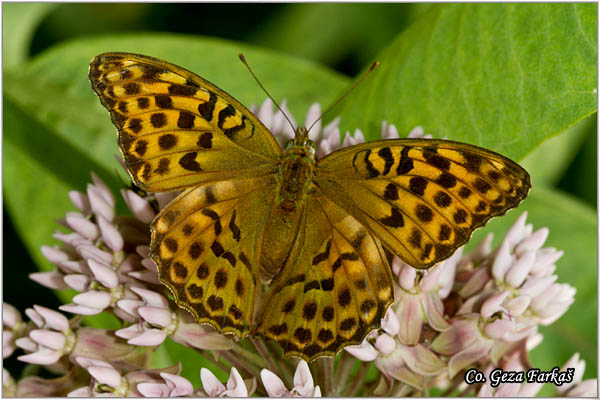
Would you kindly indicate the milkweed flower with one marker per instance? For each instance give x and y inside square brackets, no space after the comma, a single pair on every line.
[212,387]
[109,381]
[303,383]
[480,308]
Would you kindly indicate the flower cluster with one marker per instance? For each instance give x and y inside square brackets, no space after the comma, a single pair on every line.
[479,309]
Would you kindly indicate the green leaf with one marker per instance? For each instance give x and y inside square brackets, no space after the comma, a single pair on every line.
[563,147]
[502,76]
[573,230]
[19,21]
[334,32]
[582,176]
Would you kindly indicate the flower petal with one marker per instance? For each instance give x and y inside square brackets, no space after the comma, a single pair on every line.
[364,351]
[273,385]
[211,385]
[468,356]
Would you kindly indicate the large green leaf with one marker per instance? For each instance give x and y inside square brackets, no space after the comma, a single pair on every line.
[573,229]
[503,76]
[563,147]
[19,21]
[56,132]
[334,32]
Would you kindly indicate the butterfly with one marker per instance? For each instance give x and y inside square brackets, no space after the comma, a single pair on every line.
[275,242]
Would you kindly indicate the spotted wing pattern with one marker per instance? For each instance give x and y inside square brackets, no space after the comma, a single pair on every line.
[422,198]
[205,244]
[334,289]
[175,128]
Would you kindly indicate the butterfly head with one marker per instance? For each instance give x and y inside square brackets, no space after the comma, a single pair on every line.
[301,145]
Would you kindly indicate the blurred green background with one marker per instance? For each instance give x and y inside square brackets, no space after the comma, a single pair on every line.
[518,79]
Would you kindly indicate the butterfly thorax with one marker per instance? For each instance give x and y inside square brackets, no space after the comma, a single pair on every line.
[294,185]
[296,170]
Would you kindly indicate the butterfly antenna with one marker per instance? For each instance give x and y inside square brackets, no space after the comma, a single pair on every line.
[241,56]
[375,65]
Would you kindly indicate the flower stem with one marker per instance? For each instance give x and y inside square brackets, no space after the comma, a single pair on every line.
[326,367]
[285,365]
[266,355]
[249,356]
[241,365]
[342,374]
[357,380]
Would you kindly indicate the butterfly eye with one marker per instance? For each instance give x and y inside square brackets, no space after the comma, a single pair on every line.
[311,147]
[289,144]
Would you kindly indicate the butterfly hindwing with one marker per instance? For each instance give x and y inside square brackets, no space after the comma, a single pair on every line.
[334,289]
[204,243]
[175,128]
[422,198]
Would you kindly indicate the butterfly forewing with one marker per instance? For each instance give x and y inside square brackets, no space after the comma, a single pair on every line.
[334,289]
[175,128]
[422,198]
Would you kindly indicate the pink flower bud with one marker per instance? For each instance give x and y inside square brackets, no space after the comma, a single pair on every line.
[99,204]
[156,316]
[88,251]
[385,344]
[52,319]
[81,225]
[498,329]
[106,375]
[520,269]
[26,344]
[51,339]
[78,282]
[390,322]
[93,299]
[145,276]
[143,251]
[533,242]
[535,286]
[104,274]
[79,267]
[544,258]
[516,231]
[54,254]
[51,279]
[130,306]
[73,238]
[518,305]
[79,309]
[130,331]
[493,304]
[363,351]
[178,385]
[43,356]
[110,234]
[502,261]
[407,277]
[10,315]
[314,112]
[139,207]
[84,391]
[151,298]
[103,190]
[150,337]
[80,201]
